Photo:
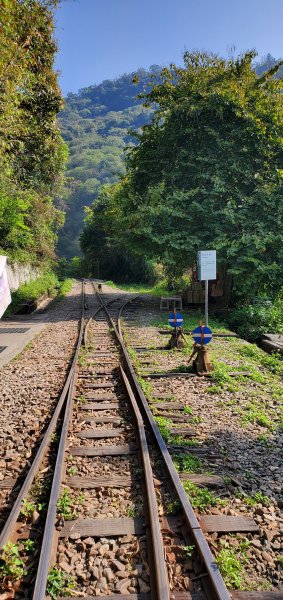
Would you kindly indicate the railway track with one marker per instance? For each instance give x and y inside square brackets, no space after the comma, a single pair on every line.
[109,532]
[105,461]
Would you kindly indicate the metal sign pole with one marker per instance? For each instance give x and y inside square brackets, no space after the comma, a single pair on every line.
[206,302]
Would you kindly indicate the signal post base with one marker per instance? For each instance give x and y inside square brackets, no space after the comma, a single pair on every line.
[201,364]
[177,339]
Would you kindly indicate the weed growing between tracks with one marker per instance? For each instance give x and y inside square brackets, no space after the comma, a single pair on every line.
[231,565]
[59,583]
[66,505]
[11,565]
[187,463]
[200,497]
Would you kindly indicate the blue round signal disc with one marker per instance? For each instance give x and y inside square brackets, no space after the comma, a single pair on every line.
[175,320]
[202,335]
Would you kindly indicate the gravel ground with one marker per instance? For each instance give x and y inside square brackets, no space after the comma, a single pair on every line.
[106,566]
[31,383]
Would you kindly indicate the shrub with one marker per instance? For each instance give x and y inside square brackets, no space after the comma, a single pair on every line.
[252,321]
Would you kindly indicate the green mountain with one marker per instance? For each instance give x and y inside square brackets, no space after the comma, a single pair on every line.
[95,124]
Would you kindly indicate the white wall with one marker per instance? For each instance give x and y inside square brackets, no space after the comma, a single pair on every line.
[19,274]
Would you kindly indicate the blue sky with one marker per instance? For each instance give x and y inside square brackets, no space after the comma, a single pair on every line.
[102,39]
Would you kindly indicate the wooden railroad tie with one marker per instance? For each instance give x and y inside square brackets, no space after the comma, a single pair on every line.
[216,524]
[122,450]
[103,481]
[104,527]
[100,406]
[7,483]
[99,433]
[176,595]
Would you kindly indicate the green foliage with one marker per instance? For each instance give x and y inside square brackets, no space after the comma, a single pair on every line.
[188,410]
[65,505]
[191,321]
[256,414]
[159,289]
[71,471]
[11,564]
[45,284]
[231,566]
[28,508]
[32,153]
[188,551]
[134,511]
[59,583]
[187,463]
[30,545]
[107,257]
[220,375]
[252,321]
[164,427]
[173,507]
[214,147]
[146,386]
[200,497]
[254,498]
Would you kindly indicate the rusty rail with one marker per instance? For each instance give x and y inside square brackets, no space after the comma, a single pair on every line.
[11,523]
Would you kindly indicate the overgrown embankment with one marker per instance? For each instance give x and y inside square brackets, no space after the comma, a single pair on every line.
[46,285]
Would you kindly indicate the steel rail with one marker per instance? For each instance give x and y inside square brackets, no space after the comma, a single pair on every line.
[161,577]
[214,574]
[98,309]
[39,592]
[10,526]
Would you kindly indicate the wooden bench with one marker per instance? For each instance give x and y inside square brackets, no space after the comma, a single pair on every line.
[176,302]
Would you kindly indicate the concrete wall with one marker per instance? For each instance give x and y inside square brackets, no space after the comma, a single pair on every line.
[19,274]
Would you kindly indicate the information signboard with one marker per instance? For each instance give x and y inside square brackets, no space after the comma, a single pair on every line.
[206,265]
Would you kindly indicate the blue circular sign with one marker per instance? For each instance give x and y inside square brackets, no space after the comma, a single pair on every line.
[175,320]
[202,335]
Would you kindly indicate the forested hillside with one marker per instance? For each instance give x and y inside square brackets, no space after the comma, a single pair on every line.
[32,153]
[207,173]
[95,124]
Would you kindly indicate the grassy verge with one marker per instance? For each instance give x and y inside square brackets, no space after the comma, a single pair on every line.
[31,291]
[191,321]
[159,289]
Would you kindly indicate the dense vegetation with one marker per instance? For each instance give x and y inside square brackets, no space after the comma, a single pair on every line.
[207,172]
[96,125]
[32,153]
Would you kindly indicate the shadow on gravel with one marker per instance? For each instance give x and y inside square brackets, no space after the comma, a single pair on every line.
[256,464]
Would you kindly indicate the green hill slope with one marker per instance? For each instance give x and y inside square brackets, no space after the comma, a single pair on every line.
[95,125]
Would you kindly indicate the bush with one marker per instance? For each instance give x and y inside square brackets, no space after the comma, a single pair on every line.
[254,320]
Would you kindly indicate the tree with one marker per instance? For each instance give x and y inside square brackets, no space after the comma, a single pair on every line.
[32,153]
[207,172]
